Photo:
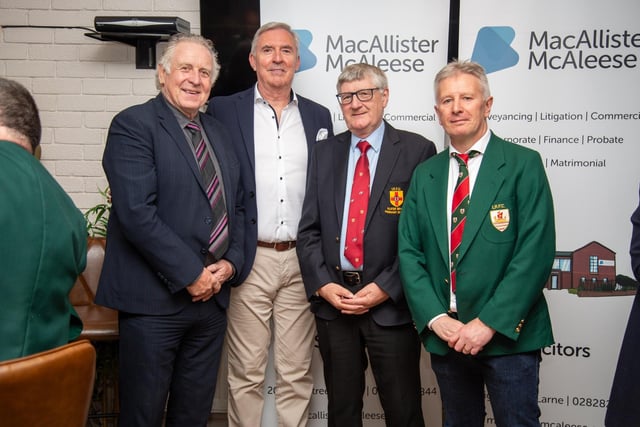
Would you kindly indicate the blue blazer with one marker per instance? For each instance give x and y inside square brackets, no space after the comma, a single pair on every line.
[321,223]
[160,221]
[236,112]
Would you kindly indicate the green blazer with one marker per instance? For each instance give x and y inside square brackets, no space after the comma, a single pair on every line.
[43,249]
[506,255]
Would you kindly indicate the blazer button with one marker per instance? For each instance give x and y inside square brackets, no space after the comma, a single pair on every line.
[252,194]
[337,239]
[204,251]
[337,268]
[208,220]
[253,221]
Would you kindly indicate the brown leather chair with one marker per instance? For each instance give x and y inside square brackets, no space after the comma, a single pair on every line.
[52,388]
[99,323]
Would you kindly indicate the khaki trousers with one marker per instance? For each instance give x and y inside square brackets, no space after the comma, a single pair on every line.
[272,301]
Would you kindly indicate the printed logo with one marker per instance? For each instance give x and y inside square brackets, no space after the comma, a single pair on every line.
[307,58]
[493,48]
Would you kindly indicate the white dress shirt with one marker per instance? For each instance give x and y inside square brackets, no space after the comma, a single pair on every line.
[281,169]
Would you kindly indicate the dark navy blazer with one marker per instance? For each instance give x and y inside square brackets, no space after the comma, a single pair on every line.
[161,217]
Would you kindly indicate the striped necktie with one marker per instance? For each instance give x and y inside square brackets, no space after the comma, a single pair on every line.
[459,207]
[219,238]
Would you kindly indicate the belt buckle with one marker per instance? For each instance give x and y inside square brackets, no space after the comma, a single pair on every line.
[352,277]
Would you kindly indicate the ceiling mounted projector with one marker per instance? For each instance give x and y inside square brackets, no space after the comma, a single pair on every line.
[143,32]
[141,24]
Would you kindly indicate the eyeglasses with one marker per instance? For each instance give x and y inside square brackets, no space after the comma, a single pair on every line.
[363,95]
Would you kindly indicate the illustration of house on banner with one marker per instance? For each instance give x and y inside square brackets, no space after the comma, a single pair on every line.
[587,271]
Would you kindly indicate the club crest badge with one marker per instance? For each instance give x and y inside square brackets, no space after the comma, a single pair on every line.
[396,199]
[500,218]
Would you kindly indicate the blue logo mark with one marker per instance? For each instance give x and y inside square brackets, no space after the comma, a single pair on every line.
[493,48]
[307,58]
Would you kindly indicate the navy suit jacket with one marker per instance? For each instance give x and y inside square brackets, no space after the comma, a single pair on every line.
[623,409]
[236,112]
[321,223]
[160,222]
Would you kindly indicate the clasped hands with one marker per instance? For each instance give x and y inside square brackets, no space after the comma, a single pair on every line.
[349,303]
[469,338]
[210,280]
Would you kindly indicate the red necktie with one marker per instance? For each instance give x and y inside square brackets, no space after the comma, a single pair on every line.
[459,207]
[358,208]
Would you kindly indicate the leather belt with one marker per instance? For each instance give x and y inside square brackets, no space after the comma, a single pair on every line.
[278,246]
[352,278]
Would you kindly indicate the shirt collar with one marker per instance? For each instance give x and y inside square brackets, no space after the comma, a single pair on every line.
[258,99]
[479,146]
[375,139]
[182,119]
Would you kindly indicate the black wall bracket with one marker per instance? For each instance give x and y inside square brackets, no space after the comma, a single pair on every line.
[142,32]
[145,45]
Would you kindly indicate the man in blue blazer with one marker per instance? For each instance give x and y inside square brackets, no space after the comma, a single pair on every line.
[160,270]
[359,304]
[480,311]
[273,130]
[623,409]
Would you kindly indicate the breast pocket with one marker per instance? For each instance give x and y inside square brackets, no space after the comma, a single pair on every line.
[500,225]
[392,200]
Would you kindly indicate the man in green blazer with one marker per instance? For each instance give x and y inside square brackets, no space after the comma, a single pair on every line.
[43,243]
[480,311]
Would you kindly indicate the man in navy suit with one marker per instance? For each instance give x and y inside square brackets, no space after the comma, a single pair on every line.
[623,409]
[163,268]
[358,300]
[273,130]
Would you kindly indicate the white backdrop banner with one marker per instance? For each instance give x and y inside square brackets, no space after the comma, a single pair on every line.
[564,76]
[408,40]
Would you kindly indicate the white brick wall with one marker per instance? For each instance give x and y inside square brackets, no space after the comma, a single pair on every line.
[78,83]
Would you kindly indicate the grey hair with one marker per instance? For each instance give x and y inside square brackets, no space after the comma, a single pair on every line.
[174,40]
[19,112]
[463,67]
[361,71]
[274,26]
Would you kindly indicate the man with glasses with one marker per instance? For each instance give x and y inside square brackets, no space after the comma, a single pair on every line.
[347,246]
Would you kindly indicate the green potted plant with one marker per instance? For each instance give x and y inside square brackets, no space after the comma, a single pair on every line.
[98,216]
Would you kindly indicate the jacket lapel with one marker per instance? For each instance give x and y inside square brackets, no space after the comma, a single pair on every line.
[436,186]
[169,123]
[244,109]
[221,155]
[488,182]
[389,151]
[339,176]
[307,117]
